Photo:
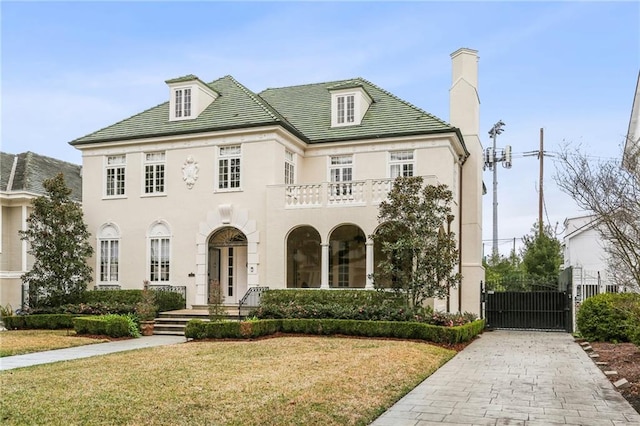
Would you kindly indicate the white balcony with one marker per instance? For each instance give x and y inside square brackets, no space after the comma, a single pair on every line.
[340,194]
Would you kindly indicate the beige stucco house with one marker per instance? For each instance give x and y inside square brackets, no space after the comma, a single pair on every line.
[21,178]
[279,188]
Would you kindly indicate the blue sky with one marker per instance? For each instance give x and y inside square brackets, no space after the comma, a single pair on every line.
[70,68]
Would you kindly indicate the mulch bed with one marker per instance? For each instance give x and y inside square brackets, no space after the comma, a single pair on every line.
[625,359]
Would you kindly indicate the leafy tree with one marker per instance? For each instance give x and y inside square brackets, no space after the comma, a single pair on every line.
[612,194]
[59,241]
[420,253]
[542,255]
[501,272]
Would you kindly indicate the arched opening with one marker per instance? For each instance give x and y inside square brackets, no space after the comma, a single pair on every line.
[227,266]
[347,257]
[303,258]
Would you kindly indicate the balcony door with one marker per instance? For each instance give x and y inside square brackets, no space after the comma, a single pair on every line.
[341,175]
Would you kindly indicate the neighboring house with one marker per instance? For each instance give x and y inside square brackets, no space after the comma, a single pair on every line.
[631,155]
[21,178]
[224,186]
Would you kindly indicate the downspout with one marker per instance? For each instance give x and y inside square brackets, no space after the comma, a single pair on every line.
[460,180]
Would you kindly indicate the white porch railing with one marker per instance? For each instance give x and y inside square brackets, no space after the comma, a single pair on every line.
[352,193]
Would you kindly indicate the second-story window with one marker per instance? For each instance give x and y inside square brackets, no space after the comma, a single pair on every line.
[115,175]
[345,109]
[154,165]
[229,167]
[289,168]
[401,164]
[341,170]
[183,103]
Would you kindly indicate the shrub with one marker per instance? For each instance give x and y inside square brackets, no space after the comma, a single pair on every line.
[108,325]
[198,329]
[45,321]
[91,308]
[609,317]
[166,300]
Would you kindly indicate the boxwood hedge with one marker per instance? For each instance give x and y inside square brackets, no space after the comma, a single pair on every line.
[198,329]
[611,317]
[44,321]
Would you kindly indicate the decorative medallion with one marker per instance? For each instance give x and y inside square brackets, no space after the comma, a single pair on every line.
[190,172]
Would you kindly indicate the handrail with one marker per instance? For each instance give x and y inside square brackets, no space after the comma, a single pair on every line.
[251,298]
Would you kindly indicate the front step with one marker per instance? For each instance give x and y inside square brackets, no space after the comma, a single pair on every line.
[174,322]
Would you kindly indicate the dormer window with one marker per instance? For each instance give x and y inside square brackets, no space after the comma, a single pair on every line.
[183,102]
[189,97]
[349,104]
[346,109]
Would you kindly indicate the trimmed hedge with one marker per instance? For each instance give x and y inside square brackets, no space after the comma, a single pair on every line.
[166,300]
[44,321]
[610,317]
[198,329]
[108,325]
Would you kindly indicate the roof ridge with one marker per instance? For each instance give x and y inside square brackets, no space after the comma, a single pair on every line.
[344,80]
[409,104]
[258,100]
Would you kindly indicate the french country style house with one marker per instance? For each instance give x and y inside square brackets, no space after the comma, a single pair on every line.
[224,186]
[21,177]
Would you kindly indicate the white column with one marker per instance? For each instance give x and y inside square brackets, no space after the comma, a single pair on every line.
[24,242]
[324,274]
[369,265]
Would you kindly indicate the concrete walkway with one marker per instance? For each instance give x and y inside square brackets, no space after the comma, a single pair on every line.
[515,378]
[27,360]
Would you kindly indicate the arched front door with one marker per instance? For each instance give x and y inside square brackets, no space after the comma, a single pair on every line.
[227,266]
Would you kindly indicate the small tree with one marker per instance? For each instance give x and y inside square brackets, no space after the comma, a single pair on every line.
[612,193]
[502,272]
[542,255]
[59,241]
[420,252]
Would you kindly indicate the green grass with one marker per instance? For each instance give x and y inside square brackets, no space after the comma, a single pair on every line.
[277,381]
[18,342]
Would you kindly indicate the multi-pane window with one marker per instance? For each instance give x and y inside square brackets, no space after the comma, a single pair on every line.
[401,163]
[115,175]
[154,173]
[159,259]
[109,260]
[183,103]
[341,170]
[345,109]
[289,168]
[229,167]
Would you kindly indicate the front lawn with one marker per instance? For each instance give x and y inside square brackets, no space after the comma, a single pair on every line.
[18,342]
[279,381]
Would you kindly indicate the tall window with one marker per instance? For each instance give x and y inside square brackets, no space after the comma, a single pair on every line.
[159,254]
[154,173]
[341,170]
[183,103]
[345,109]
[401,163]
[115,175]
[229,167]
[289,168]
[109,256]
[109,260]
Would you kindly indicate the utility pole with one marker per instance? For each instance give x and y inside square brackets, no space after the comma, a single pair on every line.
[492,157]
[540,154]
[541,191]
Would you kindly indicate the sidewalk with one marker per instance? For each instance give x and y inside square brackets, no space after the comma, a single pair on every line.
[515,378]
[27,360]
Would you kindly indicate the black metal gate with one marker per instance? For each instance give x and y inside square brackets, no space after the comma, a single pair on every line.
[530,305]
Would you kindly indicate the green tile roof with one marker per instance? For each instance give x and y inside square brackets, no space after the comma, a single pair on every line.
[304,110]
[32,169]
